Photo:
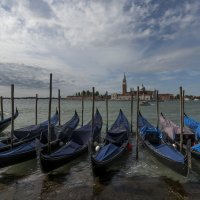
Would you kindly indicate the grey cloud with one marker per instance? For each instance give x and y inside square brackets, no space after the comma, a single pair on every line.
[41,8]
[26,76]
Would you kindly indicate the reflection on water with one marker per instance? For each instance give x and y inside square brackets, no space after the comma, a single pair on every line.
[16,172]
[102,181]
[175,188]
[126,179]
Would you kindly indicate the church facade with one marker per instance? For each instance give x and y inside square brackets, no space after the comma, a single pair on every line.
[145,95]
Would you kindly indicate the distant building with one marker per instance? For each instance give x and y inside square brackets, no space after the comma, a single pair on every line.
[146,95]
[124,86]
[165,97]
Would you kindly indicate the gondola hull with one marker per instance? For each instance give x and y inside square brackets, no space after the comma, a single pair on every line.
[116,141]
[175,166]
[152,139]
[30,133]
[4,126]
[28,150]
[48,165]
[101,166]
[11,160]
[76,146]
[6,122]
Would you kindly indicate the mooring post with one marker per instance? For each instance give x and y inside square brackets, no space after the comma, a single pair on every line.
[183,107]
[132,112]
[157,108]
[137,124]
[49,115]
[2,117]
[36,108]
[181,119]
[12,112]
[82,108]
[59,122]
[189,155]
[106,111]
[92,129]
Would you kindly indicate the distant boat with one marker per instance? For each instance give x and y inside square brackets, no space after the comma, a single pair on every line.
[144,103]
[187,99]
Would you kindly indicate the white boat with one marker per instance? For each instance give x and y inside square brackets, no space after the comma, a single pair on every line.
[144,103]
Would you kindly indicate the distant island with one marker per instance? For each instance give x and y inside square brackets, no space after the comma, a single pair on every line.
[87,95]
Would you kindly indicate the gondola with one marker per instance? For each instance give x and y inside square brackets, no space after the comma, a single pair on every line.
[115,144]
[172,131]
[6,122]
[151,138]
[195,128]
[28,150]
[77,145]
[27,134]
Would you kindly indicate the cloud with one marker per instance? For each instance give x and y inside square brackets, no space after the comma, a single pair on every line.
[91,43]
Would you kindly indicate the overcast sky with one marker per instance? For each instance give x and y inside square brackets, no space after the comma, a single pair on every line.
[87,43]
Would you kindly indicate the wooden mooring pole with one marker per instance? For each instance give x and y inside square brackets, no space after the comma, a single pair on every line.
[132,111]
[106,111]
[157,108]
[2,117]
[92,128]
[181,119]
[137,124]
[12,112]
[183,105]
[59,121]
[189,155]
[82,113]
[49,115]
[36,108]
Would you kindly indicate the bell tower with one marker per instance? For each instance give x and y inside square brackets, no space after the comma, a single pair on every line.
[124,85]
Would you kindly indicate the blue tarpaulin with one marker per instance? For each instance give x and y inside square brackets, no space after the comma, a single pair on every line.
[193,124]
[107,151]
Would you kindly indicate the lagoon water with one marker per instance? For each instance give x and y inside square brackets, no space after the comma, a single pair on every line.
[127,179]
